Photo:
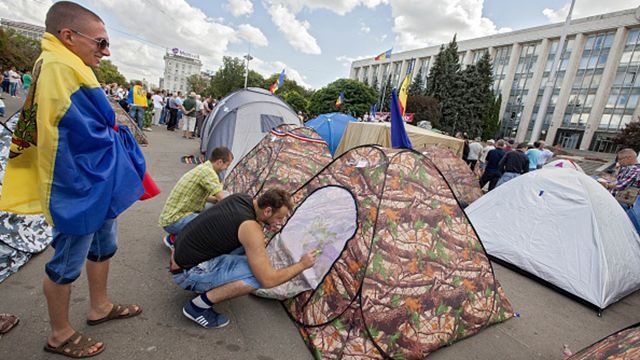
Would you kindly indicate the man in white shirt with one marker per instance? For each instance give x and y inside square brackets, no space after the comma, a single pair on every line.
[158,103]
[199,115]
[14,80]
[475,148]
[483,155]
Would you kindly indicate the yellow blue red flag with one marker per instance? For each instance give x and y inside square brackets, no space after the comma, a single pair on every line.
[278,84]
[340,100]
[66,158]
[385,55]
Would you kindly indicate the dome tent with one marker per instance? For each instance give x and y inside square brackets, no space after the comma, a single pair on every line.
[241,120]
[331,127]
[564,228]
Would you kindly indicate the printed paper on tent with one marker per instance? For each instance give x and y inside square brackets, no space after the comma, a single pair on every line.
[325,221]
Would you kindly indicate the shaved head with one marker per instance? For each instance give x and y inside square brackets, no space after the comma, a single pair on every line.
[67,14]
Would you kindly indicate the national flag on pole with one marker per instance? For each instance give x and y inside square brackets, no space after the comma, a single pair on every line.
[278,84]
[340,100]
[385,55]
[399,137]
[403,94]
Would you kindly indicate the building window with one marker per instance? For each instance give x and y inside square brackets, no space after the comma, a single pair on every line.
[520,88]
[587,80]
[625,91]
[562,69]
[395,81]
[478,54]
[425,70]
[500,65]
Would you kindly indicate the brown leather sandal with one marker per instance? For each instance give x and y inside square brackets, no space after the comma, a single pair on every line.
[7,322]
[76,346]
[118,312]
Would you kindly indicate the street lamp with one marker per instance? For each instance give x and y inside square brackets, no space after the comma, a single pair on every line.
[247,57]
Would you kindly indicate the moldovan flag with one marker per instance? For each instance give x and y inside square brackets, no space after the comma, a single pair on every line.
[340,100]
[278,84]
[385,55]
[399,137]
[404,93]
[66,158]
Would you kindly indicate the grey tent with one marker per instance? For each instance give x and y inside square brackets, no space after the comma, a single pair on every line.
[242,119]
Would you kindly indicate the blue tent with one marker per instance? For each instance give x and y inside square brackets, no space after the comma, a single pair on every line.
[331,127]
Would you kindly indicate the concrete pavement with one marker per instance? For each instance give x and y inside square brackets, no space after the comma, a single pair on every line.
[260,329]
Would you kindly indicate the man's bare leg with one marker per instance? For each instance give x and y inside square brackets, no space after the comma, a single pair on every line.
[229,291]
[97,276]
[58,304]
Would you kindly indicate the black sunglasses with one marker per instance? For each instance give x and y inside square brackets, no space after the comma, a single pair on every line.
[101,42]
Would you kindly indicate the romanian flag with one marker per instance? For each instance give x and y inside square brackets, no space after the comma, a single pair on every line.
[278,84]
[385,55]
[403,94]
[340,100]
[67,158]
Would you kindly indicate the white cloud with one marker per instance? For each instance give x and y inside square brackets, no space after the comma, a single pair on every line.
[25,10]
[240,7]
[364,28]
[252,35]
[584,8]
[340,7]
[295,31]
[347,60]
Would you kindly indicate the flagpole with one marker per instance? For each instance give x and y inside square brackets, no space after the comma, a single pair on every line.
[248,57]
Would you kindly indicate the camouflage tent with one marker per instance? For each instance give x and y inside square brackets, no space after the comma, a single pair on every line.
[462,180]
[287,158]
[21,236]
[623,345]
[412,277]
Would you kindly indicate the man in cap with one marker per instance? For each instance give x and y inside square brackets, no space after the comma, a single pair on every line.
[189,111]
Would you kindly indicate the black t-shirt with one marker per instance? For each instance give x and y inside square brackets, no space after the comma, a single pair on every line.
[214,232]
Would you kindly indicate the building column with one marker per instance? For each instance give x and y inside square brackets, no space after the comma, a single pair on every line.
[565,88]
[403,72]
[467,59]
[602,94]
[352,73]
[370,74]
[534,88]
[492,53]
[508,80]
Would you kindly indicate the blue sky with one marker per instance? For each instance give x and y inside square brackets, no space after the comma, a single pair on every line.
[315,40]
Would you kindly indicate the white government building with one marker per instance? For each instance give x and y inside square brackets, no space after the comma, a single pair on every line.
[33,32]
[597,88]
[178,66]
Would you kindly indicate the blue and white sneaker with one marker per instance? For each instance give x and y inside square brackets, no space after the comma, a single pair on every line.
[168,240]
[207,318]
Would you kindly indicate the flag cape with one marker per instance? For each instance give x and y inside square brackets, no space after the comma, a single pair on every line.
[340,100]
[404,93]
[137,96]
[278,84]
[399,137]
[66,159]
[385,55]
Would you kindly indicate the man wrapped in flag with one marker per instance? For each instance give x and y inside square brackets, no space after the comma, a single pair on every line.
[278,84]
[69,161]
[340,100]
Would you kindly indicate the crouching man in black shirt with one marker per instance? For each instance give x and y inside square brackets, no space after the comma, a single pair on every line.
[221,253]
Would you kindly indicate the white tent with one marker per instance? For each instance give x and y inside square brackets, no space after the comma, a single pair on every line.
[563,164]
[563,227]
[242,119]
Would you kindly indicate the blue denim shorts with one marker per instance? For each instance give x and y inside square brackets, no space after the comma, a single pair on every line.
[71,251]
[216,272]
[177,226]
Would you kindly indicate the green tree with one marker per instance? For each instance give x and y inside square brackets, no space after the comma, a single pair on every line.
[17,50]
[229,77]
[446,85]
[424,108]
[374,85]
[296,101]
[629,137]
[417,86]
[386,95]
[491,119]
[358,98]
[197,84]
[107,73]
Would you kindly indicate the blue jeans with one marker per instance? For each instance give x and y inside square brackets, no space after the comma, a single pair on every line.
[72,250]
[507,177]
[177,226]
[633,213]
[163,116]
[12,88]
[221,270]
[137,114]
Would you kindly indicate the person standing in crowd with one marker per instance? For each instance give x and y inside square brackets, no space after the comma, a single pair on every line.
[221,254]
[485,151]
[534,155]
[158,104]
[96,175]
[189,112]
[179,114]
[510,145]
[513,164]
[6,84]
[545,155]
[199,116]
[475,148]
[14,80]
[492,172]
[26,81]
[137,100]
[164,116]
[628,179]
[173,112]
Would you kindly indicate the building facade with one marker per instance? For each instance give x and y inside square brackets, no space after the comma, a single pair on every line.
[28,30]
[178,66]
[595,94]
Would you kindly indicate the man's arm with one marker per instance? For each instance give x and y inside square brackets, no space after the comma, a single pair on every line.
[252,239]
[216,198]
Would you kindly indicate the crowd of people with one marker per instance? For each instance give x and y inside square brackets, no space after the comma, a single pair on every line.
[14,83]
